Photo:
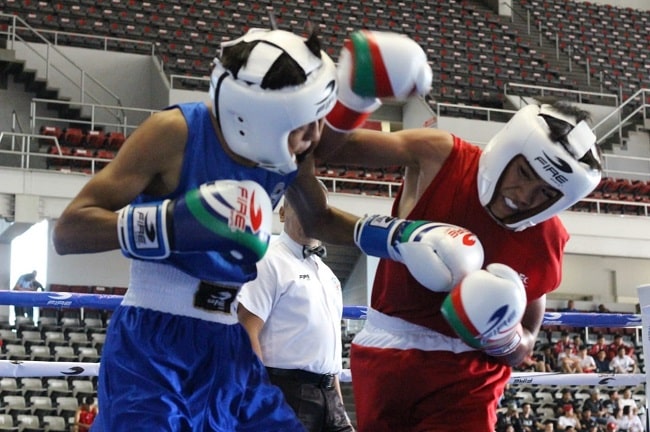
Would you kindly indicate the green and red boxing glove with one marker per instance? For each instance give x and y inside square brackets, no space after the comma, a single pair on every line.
[485,309]
[376,65]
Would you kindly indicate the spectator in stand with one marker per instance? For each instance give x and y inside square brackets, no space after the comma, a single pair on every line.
[549,426]
[85,415]
[612,349]
[528,419]
[577,343]
[568,361]
[568,418]
[565,399]
[616,418]
[627,399]
[565,340]
[509,396]
[603,309]
[529,364]
[612,403]
[595,406]
[635,423]
[509,418]
[629,421]
[570,307]
[27,282]
[623,363]
[600,344]
[586,363]
[541,363]
[586,419]
[602,362]
[550,359]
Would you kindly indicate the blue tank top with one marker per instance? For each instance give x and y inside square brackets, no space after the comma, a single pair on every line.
[205,161]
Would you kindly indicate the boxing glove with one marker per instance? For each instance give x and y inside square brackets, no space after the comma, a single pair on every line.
[227,216]
[376,65]
[437,255]
[485,309]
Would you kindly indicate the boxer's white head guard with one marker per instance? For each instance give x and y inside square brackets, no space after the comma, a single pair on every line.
[558,163]
[256,121]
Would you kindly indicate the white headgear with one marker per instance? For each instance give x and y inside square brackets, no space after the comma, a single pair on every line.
[528,134]
[256,122]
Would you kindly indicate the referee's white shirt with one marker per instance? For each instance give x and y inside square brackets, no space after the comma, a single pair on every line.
[300,301]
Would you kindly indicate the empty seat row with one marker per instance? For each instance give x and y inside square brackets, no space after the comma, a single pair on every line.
[78,157]
[62,353]
[458,29]
[77,137]
[45,391]
[611,38]
[632,197]
[39,416]
[31,423]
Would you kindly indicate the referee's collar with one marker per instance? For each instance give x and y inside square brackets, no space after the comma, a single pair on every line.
[295,247]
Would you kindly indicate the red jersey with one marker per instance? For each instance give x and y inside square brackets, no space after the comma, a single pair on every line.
[462,390]
[86,417]
[559,346]
[612,349]
[597,348]
[452,197]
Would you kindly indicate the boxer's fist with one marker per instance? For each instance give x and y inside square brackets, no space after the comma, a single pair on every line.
[437,255]
[376,65]
[226,216]
[486,308]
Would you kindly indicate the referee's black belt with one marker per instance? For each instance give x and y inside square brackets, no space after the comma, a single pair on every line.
[324,381]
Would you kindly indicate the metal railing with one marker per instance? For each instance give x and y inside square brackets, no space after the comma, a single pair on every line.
[580,95]
[54,60]
[127,122]
[175,79]
[487,113]
[21,155]
[26,151]
[636,105]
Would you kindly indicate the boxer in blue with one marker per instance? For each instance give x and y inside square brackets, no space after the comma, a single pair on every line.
[196,185]
[189,199]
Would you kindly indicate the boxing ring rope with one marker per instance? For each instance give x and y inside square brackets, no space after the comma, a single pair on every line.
[62,300]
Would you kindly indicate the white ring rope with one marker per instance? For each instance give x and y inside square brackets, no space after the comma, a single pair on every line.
[20,369]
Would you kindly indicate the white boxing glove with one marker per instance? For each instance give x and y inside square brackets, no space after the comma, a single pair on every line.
[486,308]
[438,255]
[375,65]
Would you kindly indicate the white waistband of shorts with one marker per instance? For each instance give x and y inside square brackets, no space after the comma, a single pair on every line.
[385,331]
[164,288]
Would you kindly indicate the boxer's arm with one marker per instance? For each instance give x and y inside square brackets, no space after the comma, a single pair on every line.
[318,219]
[531,323]
[148,161]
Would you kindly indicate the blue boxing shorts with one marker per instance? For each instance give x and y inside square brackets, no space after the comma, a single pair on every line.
[165,372]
